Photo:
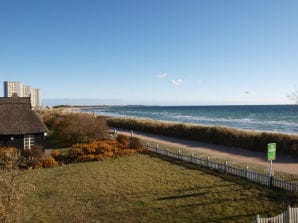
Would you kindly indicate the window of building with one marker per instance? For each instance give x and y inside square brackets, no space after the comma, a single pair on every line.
[28,141]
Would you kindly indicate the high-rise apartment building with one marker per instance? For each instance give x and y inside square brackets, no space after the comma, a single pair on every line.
[11,87]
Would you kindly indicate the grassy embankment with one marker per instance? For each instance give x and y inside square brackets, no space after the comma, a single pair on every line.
[251,140]
[145,188]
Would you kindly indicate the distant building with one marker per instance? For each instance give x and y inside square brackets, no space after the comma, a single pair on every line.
[21,127]
[11,87]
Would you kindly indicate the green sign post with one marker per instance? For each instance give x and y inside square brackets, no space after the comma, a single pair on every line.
[271,151]
[271,155]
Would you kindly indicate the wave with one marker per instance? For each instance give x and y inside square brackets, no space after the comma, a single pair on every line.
[251,121]
[234,120]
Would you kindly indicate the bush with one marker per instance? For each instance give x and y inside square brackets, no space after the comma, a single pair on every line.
[55,154]
[8,157]
[70,128]
[135,143]
[99,150]
[36,152]
[123,140]
[49,162]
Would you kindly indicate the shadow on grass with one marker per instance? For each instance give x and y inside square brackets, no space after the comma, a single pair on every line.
[275,193]
[181,196]
[233,179]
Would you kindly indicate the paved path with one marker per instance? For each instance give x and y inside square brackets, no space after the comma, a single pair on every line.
[284,163]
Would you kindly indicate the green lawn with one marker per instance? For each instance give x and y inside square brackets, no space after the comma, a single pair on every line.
[144,188]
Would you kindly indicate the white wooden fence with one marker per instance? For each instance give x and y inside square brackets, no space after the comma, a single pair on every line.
[289,216]
[253,176]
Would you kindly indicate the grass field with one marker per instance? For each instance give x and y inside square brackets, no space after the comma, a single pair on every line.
[144,188]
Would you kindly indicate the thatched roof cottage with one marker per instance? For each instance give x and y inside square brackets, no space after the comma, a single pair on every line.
[20,126]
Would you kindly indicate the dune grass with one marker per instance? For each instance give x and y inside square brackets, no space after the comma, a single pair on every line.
[145,188]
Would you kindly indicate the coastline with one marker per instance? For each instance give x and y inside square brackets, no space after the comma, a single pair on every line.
[219,135]
[261,118]
[76,109]
[286,163]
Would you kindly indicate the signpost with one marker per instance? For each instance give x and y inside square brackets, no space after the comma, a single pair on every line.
[271,154]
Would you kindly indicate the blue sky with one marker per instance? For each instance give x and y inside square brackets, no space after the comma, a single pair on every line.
[152,52]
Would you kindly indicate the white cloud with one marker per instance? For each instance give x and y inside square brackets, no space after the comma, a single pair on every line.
[177,82]
[161,76]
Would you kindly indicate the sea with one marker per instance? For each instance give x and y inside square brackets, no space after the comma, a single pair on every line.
[272,118]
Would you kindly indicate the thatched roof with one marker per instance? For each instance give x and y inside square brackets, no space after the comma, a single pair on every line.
[18,118]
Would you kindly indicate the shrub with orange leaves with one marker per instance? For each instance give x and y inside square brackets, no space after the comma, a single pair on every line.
[99,150]
[49,162]
[55,154]
[75,152]
[86,158]
[8,157]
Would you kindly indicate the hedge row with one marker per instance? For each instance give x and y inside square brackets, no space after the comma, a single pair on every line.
[251,140]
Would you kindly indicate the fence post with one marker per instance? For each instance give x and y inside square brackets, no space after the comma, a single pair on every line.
[179,154]
[192,156]
[208,161]
[289,214]
[226,166]
[147,145]
[156,148]
[131,133]
[258,218]
[246,172]
[270,181]
[167,152]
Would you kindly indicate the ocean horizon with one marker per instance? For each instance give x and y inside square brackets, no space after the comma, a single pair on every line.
[272,118]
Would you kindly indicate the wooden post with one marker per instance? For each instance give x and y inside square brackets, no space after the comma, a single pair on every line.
[226,166]
[131,133]
[156,148]
[147,145]
[258,218]
[289,214]
[208,161]
[192,157]
[247,172]
[179,154]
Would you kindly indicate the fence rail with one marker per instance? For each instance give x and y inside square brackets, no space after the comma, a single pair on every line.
[289,216]
[264,179]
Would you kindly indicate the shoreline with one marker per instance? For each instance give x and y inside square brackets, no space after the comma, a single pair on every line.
[76,109]
[244,121]
[219,148]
